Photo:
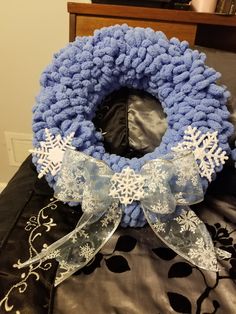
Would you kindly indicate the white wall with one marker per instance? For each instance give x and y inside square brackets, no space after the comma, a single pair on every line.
[30,32]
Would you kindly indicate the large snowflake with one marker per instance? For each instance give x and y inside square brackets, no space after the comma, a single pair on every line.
[127,186]
[188,221]
[205,149]
[51,152]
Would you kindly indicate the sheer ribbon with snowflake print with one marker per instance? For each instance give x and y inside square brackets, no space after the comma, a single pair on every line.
[164,186]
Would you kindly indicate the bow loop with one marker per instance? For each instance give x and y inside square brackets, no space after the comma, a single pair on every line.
[158,197]
[83,179]
[186,183]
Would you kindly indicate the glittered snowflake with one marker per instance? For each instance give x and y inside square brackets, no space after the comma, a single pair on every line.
[204,255]
[160,207]
[159,226]
[205,149]
[186,172]
[86,251]
[79,233]
[89,203]
[54,254]
[111,216]
[127,186]
[156,177]
[188,221]
[51,152]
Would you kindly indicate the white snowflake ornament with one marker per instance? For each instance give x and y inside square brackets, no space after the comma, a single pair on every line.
[205,148]
[51,152]
[127,186]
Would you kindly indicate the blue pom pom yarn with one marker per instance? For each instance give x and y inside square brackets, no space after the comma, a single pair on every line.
[82,74]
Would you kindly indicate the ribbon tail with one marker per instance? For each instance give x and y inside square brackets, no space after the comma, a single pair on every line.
[187,235]
[76,249]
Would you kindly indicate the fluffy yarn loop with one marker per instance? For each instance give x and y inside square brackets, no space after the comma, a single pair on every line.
[82,74]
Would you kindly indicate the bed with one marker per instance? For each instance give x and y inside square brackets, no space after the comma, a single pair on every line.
[134,273]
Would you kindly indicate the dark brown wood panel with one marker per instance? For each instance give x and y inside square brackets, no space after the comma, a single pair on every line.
[210,30]
[85,25]
[151,14]
[72,32]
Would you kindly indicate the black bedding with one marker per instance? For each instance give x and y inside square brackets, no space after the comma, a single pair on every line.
[134,273]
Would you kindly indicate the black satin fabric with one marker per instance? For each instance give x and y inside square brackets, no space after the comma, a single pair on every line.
[132,122]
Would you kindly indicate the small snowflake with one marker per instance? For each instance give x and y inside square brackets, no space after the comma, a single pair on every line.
[159,226]
[53,254]
[160,208]
[51,152]
[89,203]
[205,149]
[111,216]
[80,233]
[156,177]
[127,186]
[204,255]
[71,182]
[188,221]
[186,172]
[86,251]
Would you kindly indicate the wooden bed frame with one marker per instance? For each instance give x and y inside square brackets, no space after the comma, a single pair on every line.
[210,30]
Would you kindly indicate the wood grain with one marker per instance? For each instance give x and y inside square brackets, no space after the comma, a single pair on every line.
[85,25]
[72,29]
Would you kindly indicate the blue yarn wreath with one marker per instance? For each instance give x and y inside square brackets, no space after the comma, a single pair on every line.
[82,74]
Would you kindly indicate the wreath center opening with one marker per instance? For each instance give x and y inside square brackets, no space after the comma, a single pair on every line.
[132,122]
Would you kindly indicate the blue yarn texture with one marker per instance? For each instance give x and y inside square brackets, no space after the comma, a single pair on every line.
[82,74]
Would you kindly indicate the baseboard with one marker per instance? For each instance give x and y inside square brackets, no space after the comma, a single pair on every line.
[2,186]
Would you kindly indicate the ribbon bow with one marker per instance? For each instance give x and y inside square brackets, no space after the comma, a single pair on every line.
[164,187]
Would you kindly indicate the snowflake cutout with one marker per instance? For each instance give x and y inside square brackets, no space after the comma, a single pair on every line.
[188,221]
[160,208]
[205,149]
[86,251]
[204,254]
[51,152]
[127,186]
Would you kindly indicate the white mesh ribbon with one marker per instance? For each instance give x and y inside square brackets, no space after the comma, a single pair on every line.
[165,187]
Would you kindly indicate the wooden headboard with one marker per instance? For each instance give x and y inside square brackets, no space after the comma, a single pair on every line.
[210,30]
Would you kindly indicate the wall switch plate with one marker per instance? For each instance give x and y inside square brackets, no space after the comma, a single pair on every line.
[18,145]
